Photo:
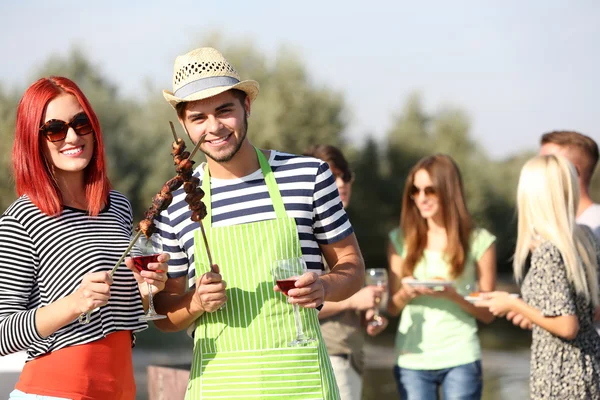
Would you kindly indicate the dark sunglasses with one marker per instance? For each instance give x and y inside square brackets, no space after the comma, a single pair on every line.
[428,190]
[56,130]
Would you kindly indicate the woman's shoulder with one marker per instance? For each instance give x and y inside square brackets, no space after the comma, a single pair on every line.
[479,233]
[396,237]
[546,252]
[481,240]
[116,196]
[119,201]
[20,207]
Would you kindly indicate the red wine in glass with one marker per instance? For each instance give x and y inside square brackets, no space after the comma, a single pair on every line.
[145,251]
[286,284]
[141,262]
[286,272]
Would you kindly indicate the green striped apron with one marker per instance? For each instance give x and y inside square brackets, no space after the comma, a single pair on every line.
[241,351]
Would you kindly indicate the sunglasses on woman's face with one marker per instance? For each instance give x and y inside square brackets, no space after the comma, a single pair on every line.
[429,191]
[56,130]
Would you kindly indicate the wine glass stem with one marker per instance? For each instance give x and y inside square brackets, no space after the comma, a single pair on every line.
[376,316]
[299,329]
[150,301]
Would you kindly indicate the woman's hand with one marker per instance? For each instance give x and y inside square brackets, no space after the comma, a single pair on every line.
[93,292]
[519,320]
[447,292]
[408,292]
[156,275]
[499,303]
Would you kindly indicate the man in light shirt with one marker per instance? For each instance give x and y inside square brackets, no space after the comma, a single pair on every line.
[582,151]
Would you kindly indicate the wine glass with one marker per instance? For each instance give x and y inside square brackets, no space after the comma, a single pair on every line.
[144,251]
[376,277]
[286,273]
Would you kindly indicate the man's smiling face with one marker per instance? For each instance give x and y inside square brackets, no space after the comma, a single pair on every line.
[223,118]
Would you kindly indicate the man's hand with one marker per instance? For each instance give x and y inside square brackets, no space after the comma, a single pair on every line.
[210,291]
[375,330]
[597,314]
[366,298]
[309,291]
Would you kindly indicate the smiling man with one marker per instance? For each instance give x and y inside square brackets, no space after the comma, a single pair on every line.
[263,206]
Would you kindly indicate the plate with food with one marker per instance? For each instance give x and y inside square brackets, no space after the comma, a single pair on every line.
[432,283]
[474,297]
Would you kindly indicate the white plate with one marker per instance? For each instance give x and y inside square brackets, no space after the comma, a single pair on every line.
[475,299]
[428,283]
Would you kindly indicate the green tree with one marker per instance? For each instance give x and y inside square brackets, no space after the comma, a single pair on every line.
[8,110]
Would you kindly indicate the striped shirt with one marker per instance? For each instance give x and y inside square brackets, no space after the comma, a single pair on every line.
[45,259]
[309,194]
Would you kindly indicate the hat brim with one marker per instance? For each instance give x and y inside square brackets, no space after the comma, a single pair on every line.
[250,87]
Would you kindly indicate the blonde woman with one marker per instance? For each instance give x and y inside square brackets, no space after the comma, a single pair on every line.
[437,347]
[556,263]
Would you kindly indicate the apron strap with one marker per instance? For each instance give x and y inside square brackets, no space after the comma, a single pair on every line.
[270,181]
[271,185]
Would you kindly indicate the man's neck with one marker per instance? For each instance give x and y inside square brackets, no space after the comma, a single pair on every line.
[243,163]
[584,202]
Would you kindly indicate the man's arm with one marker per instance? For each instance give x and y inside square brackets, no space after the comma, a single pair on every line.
[346,277]
[364,299]
[347,266]
[183,308]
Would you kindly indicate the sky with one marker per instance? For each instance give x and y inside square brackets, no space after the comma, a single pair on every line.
[517,68]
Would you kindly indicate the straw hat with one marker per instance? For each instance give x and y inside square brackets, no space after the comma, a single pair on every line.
[204,73]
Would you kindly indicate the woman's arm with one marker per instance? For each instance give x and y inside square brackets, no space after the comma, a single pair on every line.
[551,291]
[486,278]
[501,303]
[400,294]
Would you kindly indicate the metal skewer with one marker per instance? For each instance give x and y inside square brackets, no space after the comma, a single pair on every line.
[208,253]
[112,272]
[84,318]
[173,130]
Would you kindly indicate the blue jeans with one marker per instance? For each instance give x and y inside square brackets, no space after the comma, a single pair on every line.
[18,395]
[463,382]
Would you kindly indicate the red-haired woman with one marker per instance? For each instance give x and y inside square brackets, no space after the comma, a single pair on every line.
[436,342]
[59,240]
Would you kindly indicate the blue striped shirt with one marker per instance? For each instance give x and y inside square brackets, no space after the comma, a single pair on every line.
[309,194]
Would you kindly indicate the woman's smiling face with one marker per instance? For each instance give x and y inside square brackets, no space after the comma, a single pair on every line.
[72,154]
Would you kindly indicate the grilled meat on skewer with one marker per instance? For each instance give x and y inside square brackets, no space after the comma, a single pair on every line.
[185,166]
[172,185]
[180,157]
[178,147]
[161,201]
[191,184]
[147,227]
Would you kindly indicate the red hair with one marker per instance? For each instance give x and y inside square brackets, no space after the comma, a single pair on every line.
[447,181]
[32,174]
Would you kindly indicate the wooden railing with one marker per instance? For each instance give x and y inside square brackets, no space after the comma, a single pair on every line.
[167,382]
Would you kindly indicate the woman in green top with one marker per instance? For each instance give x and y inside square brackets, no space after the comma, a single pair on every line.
[436,343]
